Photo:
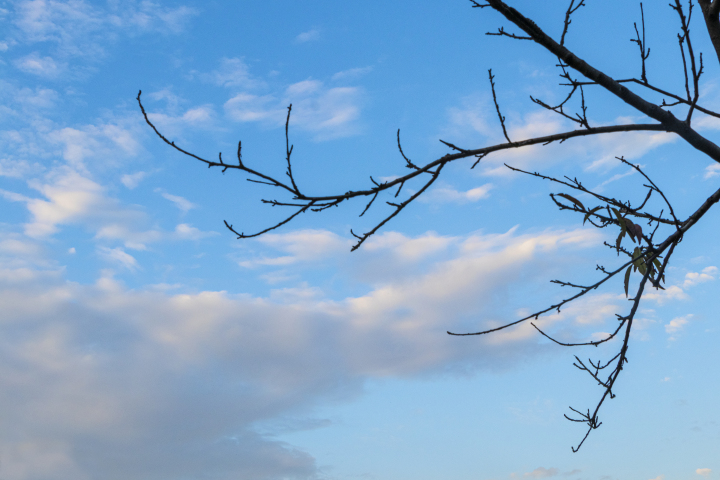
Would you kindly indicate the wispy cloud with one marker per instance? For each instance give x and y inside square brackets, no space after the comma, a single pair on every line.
[351,74]
[473,124]
[677,324]
[184,231]
[110,141]
[233,72]
[542,472]
[118,256]
[41,66]
[614,178]
[132,180]
[182,203]
[309,36]
[325,112]
[300,246]
[74,25]
[70,198]
[712,170]
[448,194]
[705,472]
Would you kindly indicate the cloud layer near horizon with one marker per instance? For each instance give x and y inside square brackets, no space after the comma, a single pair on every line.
[163,385]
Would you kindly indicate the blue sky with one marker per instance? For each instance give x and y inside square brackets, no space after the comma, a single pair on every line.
[140,340]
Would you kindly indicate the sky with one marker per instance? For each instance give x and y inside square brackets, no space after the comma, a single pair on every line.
[139,339]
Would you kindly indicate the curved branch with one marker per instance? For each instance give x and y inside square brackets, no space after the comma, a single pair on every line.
[651,110]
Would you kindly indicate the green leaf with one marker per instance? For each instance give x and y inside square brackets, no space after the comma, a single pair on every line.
[657,264]
[587,215]
[574,200]
[642,267]
[627,279]
[637,253]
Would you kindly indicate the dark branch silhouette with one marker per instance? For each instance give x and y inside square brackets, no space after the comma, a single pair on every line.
[648,253]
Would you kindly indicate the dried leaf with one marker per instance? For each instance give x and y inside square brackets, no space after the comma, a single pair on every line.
[627,279]
[630,226]
[587,215]
[623,231]
[574,200]
[638,232]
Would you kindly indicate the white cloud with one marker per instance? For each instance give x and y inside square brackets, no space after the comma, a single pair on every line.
[122,365]
[109,141]
[474,124]
[595,309]
[149,16]
[128,233]
[351,74]
[712,170]
[447,194]
[118,256]
[182,203]
[693,278]
[79,28]
[308,36]
[40,66]
[705,123]
[132,180]
[172,125]
[19,252]
[705,472]
[70,197]
[38,99]
[614,178]
[327,113]
[404,248]
[17,246]
[246,107]
[299,246]
[233,72]
[184,231]
[468,120]
[18,168]
[542,472]
[48,20]
[677,324]
[74,199]
[631,145]
[670,293]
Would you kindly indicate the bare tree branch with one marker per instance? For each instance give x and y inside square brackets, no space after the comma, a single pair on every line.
[651,110]
[648,256]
